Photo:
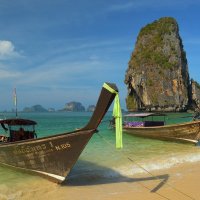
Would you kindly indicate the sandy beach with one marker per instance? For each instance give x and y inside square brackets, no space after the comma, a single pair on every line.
[178,183]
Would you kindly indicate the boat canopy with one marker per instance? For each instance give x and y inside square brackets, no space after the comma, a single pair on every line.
[17,122]
[142,115]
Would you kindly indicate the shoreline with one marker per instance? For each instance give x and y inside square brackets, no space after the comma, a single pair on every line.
[181,182]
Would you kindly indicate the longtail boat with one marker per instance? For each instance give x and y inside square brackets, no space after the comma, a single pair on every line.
[54,156]
[147,126]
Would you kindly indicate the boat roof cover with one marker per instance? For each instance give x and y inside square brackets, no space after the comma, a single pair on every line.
[16,121]
[144,114]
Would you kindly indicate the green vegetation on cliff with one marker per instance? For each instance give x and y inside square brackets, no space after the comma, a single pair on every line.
[157,76]
[162,26]
[154,45]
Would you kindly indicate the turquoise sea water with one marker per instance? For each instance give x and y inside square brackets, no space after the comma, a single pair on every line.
[100,160]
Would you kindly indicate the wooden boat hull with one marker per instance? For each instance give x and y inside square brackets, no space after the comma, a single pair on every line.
[52,156]
[186,132]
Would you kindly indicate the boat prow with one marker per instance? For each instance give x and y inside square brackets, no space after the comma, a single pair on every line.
[54,156]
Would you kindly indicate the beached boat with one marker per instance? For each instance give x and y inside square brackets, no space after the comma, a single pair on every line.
[148,126]
[53,156]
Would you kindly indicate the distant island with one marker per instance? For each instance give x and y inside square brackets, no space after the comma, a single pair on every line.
[74,107]
[35,108]
[91,108]
[69,107]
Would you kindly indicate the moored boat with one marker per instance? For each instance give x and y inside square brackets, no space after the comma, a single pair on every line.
[53,156]
[157,129]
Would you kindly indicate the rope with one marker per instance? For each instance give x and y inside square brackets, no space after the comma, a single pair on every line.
[134,162]
[105,121]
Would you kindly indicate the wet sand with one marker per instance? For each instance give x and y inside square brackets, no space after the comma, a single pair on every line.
[180,182]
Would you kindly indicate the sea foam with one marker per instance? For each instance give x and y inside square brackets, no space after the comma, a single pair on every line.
[157,164]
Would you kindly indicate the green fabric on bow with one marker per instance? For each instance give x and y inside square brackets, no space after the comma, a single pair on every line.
[117,114]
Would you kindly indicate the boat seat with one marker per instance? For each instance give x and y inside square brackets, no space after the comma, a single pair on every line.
[134,124]
[153,123]
[14,136]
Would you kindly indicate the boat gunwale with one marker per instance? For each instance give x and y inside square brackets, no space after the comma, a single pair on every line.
[164,126]
[144,115]
[57,136]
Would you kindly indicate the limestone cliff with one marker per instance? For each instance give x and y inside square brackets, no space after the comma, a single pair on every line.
[157,77]
[195,94]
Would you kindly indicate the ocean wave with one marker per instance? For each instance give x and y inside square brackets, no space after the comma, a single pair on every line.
[157,164]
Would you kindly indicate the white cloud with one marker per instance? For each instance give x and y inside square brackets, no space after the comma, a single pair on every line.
[7,50]
[138,4]
[4,74]
[120,7]
[58,71]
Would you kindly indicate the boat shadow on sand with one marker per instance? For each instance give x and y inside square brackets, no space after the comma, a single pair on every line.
[94,174]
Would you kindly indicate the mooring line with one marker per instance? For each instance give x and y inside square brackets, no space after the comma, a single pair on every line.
[155,177]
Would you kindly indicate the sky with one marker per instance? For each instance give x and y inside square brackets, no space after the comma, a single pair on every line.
[57,51]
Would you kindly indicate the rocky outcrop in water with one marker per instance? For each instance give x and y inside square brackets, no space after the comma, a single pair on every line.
[35,108]
[157,77]
[74,106]
[91,108]
[195,94]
